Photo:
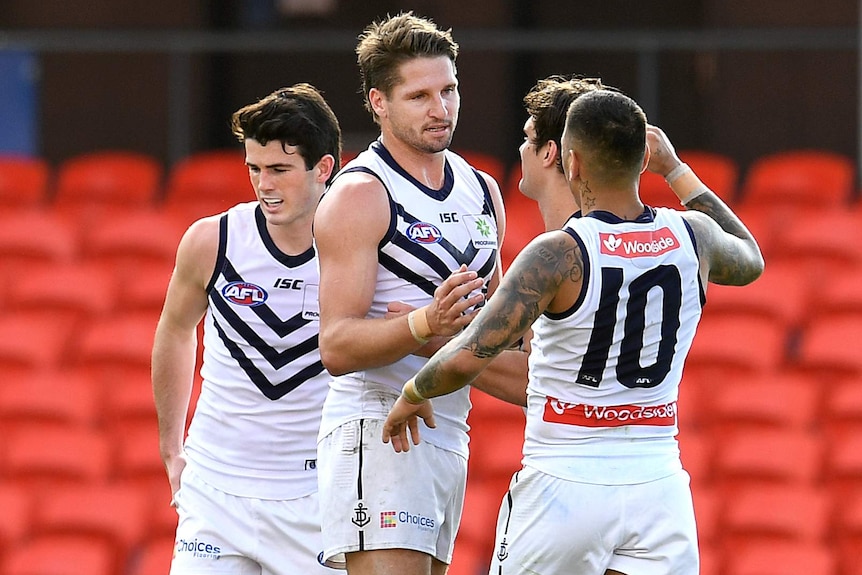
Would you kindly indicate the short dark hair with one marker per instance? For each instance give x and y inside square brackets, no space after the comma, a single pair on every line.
[612,129]
[385,44]
[295,116]
[547,103]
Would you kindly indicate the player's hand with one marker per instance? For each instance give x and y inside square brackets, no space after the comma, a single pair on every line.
[405,416]
[453,307]
[174,467]
[663,156]
[397,309]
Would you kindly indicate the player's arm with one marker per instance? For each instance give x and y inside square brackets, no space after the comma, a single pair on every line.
[728,251]
[506,376]
[349,224]
[175,341]
[546,275]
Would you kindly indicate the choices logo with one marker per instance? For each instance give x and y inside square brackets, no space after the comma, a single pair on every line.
[199,549]
[391,519]
[244,293]
[387,520]
[639,244]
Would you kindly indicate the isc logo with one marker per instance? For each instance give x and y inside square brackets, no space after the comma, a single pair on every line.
[244,293]
[424,233]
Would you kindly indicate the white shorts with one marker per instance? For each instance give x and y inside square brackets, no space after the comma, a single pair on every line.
[222,533]
[549,525]
[373,498]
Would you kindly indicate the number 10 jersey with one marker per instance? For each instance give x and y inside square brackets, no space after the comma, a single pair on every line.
[604,375]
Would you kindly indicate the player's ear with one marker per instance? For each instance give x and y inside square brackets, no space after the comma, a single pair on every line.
[324,167]
[552,152]
[646,159]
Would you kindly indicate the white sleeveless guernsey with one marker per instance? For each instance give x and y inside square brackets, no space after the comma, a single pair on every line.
[254,431]
[604,376]
[431,233]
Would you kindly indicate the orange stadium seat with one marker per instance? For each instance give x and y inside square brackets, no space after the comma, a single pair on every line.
[843,456]
[100,183]
[813,179]
[118,344]
[725,341]
[45,396]
[33,236]
[470,558]
[843,402]
[763,455]
[23,181]
[144,237]
[496,438]
[759,557]
[153,558]
[710,559]
[761,298]
[780,186]
[695,449]
[114,512]
[206,183]
[129,401]
[54,453]
[708,509]
[794,512]
[830,344]
[71,291]
[826,243]
[136,453]
[33,340]
[718,171]
[145,287]
[847,530]
[839,295]
[60,555]
[481,508]
[16,501]
[781,399]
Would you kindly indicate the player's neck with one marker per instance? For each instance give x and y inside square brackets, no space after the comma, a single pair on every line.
[426,167]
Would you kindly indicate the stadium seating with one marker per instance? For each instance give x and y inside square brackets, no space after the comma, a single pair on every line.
[49,396]
[24,181]
[28,237]
[153,558]
[809,179]
[830,345]
[756,455]
[99,184]
[206,183]
[61,555]
[51,453]
[762,556]
[770,407]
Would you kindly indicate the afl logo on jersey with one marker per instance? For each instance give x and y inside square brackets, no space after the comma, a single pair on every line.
[424,233]
[244,293]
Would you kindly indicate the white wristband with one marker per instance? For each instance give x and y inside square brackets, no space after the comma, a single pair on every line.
[676,173]
[411,323]
[698,191]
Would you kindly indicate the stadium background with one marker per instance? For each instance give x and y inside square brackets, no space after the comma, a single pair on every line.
[110,111]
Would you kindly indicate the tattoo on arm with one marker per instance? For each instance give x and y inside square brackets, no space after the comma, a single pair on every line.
[732,261]
[711,205]
[527,289]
